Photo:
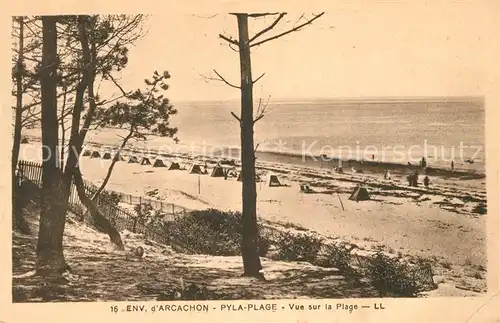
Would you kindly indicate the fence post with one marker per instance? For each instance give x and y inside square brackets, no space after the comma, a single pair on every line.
[134,225]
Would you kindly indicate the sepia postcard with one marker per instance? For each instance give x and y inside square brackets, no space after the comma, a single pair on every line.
[250,161]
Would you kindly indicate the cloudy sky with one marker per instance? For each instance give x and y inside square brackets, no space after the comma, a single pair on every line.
[355,50]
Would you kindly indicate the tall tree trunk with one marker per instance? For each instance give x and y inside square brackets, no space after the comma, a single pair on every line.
[19,101]
[99,220]
[113,163]
[16,145]
[63,128]
[72,171]
[50,258]
[77,136]
[251,260]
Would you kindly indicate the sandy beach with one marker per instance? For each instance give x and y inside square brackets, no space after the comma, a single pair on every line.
[436,223]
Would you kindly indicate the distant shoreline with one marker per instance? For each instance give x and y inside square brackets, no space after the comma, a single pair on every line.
[358,100]
[313,161]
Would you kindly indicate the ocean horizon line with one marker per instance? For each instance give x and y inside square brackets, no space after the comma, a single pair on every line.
[368,99]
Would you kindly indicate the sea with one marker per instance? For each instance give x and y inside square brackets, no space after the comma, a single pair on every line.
[389,130]
[393,130]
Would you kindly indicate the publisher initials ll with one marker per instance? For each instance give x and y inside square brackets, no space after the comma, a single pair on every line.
[378,306]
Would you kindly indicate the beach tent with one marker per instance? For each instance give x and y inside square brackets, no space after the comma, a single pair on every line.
[273,180]
[118,157]
[106,156]
[86,153]
[95,154]
[359,194]
[217,171]
[195,169]
[145,161]
[24,140]
[132,159]
[159,163]
[174,166]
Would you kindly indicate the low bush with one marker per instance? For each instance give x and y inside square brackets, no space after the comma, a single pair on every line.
[391,276]
[298,247]
[211,232]
[336,255]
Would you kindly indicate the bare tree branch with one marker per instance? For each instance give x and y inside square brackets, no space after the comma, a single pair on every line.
[235,116]
[232,48]
[310,21]
[265,30]
[258,118]
[224,80]
[255,15]
[228,39]
[258,78]
[206,17]
[261,109]
[125,94]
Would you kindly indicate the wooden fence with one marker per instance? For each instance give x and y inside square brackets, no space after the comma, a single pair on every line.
[122,219]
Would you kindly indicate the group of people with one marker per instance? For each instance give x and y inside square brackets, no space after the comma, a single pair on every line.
[413,178]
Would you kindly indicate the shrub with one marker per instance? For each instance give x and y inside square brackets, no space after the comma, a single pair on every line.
[298,247]
[391,276]
[211,232]
[336,255]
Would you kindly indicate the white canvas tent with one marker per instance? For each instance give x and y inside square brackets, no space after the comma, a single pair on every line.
[174,166]
[95,154]
[195,169]
[145,161]
[132,159]
[107,155]
[159,163]
[272,180]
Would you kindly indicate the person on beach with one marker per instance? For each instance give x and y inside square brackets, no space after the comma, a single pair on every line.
[423,162]
[426,181]
[387,174]
[452,165]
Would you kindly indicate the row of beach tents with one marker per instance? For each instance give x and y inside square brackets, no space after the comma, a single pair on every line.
[216,171]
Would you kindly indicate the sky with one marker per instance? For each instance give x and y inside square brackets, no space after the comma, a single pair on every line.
[363,49]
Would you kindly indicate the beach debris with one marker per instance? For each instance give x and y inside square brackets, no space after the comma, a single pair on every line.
[139,252]
[152,193]
[454,201]
[304,188]
[423,198]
